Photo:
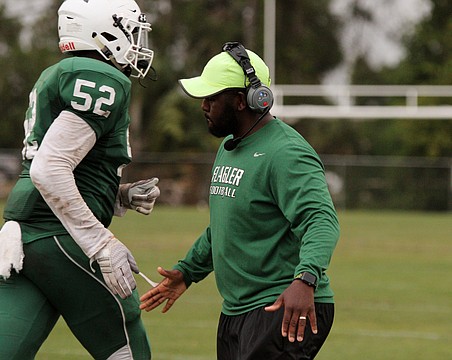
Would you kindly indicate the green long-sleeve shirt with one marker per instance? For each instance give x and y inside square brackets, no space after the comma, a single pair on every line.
[271,218]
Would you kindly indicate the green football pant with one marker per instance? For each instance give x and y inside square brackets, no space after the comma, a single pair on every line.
[57,280]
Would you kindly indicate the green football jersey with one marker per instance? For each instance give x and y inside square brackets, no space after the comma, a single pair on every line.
[100,95]
[271,218]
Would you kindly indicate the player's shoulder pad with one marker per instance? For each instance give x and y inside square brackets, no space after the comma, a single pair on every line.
[96,70]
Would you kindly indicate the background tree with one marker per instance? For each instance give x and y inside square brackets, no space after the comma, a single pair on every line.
[309,46]
[22,61]
[307,43]
[12,80]
[428,61]
[187,33]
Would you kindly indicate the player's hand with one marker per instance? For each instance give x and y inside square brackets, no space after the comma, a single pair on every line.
[139,196]
[116,264]
[298,303]
[170,288]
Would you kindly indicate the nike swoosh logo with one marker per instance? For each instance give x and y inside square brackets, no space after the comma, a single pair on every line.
[256,154]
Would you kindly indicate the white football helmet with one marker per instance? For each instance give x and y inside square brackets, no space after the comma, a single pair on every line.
[115,28]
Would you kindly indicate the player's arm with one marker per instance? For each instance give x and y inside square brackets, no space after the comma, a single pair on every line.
[66,143]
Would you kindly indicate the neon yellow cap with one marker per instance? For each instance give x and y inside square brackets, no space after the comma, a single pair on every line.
[223,72]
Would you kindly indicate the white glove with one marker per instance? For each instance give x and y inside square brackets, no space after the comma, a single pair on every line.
[116,264]
[139,196]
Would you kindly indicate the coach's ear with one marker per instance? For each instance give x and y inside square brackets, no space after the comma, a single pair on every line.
[242,104]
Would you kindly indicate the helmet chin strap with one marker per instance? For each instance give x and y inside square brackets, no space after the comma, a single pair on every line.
[127,70]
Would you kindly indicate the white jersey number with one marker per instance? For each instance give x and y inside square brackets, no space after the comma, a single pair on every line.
[87,100]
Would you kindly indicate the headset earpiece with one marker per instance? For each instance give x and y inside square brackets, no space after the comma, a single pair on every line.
[258,96]
[259,99]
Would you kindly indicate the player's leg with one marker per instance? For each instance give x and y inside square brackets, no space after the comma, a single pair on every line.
[102,322]
[26,318]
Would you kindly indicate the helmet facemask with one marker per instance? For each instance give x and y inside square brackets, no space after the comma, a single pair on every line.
[133,50]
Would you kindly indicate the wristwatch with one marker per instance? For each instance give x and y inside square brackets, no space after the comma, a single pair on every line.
[307,278]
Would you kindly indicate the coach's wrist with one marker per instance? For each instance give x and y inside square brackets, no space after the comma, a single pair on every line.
[184,275]
[308,278]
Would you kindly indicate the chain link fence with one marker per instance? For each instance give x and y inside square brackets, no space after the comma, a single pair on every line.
[355,182]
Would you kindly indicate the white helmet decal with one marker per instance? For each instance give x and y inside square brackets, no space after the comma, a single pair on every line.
[115,28]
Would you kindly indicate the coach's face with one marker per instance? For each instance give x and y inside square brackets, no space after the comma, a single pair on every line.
[220,113]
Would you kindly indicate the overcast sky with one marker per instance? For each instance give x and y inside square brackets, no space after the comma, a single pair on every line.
[380,39]
[27,9]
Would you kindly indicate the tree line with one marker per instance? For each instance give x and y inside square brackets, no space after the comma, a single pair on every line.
[187,33]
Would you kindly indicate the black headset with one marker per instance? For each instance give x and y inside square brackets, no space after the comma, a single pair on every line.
[258,96]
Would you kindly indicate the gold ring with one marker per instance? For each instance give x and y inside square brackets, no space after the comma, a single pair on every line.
[302,317]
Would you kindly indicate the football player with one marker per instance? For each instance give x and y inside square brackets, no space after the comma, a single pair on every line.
[57,255]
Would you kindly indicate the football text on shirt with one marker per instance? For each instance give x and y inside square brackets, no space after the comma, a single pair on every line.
[225,175]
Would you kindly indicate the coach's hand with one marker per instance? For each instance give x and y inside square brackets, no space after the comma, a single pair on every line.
[139,196]
[116,264]
[170,288]
[298,302]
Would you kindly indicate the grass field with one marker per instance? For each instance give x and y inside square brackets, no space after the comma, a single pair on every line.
[391,272]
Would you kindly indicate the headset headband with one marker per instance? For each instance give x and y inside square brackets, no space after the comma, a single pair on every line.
[239,54]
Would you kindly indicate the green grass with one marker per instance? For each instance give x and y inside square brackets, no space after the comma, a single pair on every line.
[391,272]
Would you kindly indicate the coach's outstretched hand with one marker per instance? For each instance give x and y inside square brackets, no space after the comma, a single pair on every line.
[170,288]
[298,303]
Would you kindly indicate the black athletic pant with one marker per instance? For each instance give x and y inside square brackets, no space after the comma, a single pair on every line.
[256,335]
